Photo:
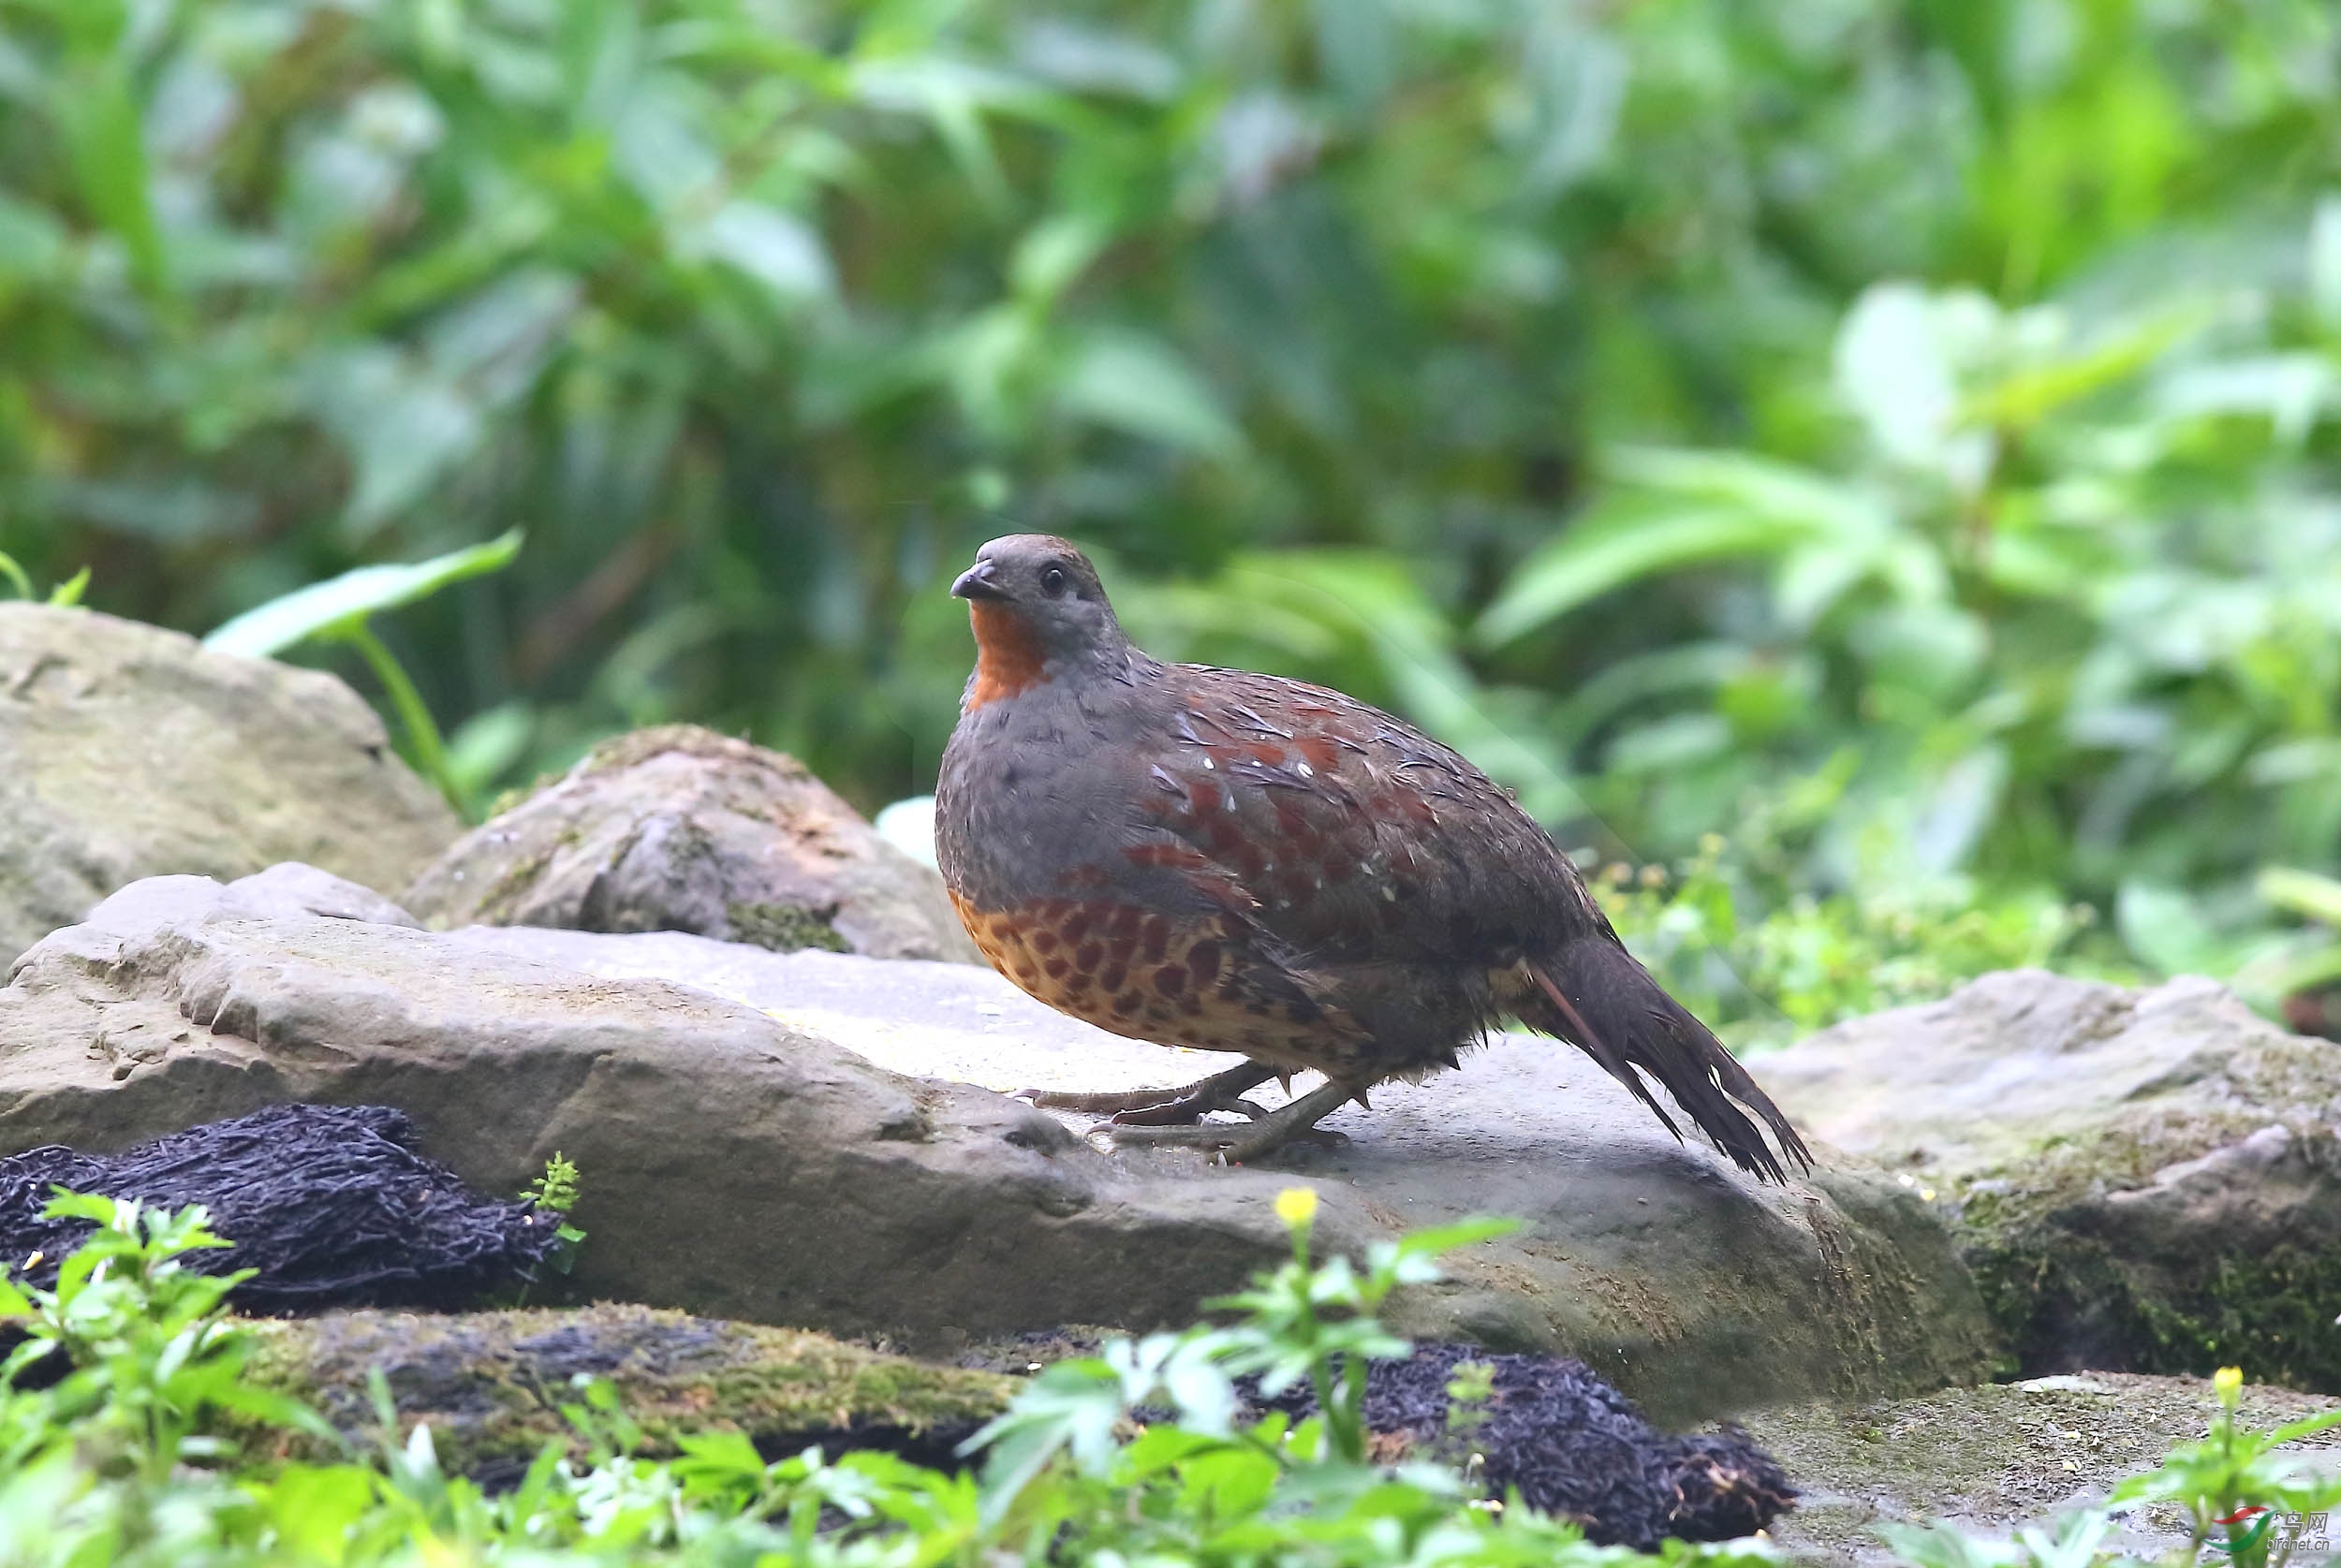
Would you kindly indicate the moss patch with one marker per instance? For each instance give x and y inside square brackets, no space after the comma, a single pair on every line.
[491,1385]
[2064,1297]
[786,927]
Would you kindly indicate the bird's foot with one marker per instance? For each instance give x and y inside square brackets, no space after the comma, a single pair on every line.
[1157,1107]
[1233,1144]
[1186,1111]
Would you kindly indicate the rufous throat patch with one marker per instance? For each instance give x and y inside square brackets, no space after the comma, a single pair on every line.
[1008,655]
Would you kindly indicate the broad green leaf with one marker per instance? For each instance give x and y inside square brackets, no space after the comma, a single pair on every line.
[1054,253]
[1601,554]
[2300,892]
[777,249]
[2025,397]
[2169,930]
[488,744]
[404,426]
[102,129]
[1139,384]
[1895,369]
[336,607]
[2292,391]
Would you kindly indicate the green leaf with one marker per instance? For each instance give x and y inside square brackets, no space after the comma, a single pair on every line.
[1137,384]
[777,249]
[2025,397]
[1604,553]
[336,608]
[68,594]
[109,151]
[2299,892]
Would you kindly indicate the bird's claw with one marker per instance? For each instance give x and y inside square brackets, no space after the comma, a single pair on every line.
[1233,1144]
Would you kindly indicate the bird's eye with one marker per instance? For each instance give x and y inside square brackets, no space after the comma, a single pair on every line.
[1052,581]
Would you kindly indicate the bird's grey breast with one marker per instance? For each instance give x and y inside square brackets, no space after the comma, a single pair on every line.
[1029,801]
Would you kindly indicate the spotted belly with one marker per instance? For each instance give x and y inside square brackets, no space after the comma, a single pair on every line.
[1141,974]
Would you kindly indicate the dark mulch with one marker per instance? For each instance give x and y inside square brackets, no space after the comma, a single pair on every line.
[331,1203]
[1573,1444]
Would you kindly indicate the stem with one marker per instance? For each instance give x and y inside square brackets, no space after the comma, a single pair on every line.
[422,734]
[16,575]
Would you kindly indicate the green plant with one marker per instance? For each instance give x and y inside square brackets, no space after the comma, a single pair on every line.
[116,1454]
[2294,971]
[2232,1481]
[148,1338]
[1732,932]
[1468,1393]
[112,1465]
[65,593]
[341,611]
[1994,614]
[556,1190]
[556,1187]
[1299,1323]
[2233,1486]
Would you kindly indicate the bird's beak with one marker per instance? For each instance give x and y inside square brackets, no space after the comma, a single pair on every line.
[975,583]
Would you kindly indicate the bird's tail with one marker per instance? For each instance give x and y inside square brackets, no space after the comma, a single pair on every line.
[1598,997]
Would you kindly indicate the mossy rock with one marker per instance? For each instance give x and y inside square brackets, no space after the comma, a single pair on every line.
[491,1385]
[2097,1256]
[786,927]
[1994,1458]
[2139,1180]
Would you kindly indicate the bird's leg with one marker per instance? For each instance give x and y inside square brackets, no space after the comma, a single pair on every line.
[1233,1144]
[1161,1106]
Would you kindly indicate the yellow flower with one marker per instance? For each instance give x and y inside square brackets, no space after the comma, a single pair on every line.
[2227,1382]
[1297,1206]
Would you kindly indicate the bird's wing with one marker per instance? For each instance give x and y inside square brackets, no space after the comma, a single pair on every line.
[1346,834]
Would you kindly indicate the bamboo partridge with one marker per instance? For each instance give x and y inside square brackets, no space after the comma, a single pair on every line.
[1242,863]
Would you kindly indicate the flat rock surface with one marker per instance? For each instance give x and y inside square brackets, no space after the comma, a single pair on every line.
[1654,1261]
[2140,1179]
[807,1139]
[1994,1458]
[127,751]
[1984,1078]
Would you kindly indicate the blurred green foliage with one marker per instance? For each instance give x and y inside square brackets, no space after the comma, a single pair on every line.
[1735,933]
[1907,427]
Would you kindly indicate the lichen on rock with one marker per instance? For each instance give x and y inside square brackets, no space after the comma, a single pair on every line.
[786,928]
[491,1385]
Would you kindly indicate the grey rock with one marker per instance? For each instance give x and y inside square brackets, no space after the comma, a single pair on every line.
[2140,1179]
[1989,1461]
[127,751]
[292,888]
[679,828]
[755,1145]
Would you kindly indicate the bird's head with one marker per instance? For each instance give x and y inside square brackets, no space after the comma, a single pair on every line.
[1036,607]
